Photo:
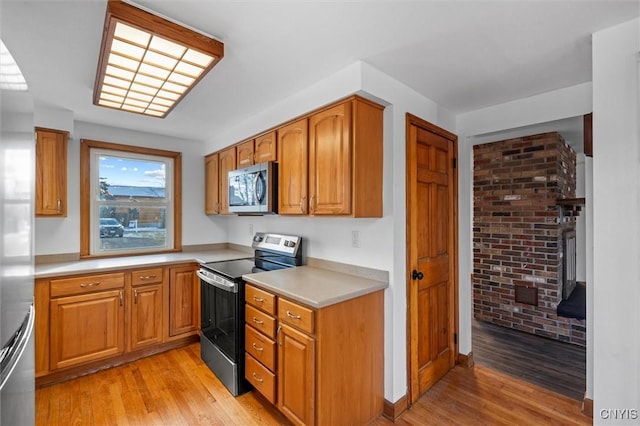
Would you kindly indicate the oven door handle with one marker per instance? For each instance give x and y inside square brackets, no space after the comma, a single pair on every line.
[233,288]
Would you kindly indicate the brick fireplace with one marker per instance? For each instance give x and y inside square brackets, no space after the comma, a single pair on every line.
[518,230]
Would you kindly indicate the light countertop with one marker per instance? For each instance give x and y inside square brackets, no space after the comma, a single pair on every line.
[315,287]
[48,270]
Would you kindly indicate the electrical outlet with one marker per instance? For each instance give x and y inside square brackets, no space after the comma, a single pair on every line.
[251,229]
[355,238]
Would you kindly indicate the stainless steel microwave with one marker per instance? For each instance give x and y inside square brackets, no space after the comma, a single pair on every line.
[253,190]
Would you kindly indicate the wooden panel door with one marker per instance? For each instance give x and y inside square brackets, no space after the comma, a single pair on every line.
[184,300]
[51,172]
[431,195]
[296,376]
[227,161]
[330,161]
[244,154]
[293,168]
[146,315]
[265,148]
[212,184]
[86,328]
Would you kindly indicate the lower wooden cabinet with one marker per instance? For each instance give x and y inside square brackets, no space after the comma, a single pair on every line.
[329,367]
[86,328]
[85,321]
[296,375]
[146,316]
[184,300]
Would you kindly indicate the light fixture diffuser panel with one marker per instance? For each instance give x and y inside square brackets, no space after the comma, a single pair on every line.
[147,63]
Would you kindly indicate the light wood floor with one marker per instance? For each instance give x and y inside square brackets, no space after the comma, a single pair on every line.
[176,388]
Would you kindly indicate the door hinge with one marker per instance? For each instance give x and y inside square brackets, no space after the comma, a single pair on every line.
[455,163]
[455,338]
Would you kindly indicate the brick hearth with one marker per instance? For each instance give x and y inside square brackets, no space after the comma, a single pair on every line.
[517,234]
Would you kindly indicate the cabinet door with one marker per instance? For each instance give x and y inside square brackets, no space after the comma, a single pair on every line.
[293,168]
[184,309]
[330,161]
[296,376]
[227,163]
[146,315]
[51,172]
[86,328]
[244,154]
[265,148]
[211,184]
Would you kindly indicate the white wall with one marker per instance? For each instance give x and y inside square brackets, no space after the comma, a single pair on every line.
[382,241]
[472,126]
[616,239]
[62,235]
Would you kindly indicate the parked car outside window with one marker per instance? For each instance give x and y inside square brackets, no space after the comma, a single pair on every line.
[110,227]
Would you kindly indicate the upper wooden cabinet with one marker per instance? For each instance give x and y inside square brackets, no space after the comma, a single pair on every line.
[51,172]
[292,168]
[227,161]
[345,159]
[265,148]
[212,184]
[244,154]
[329,161]
[258,150]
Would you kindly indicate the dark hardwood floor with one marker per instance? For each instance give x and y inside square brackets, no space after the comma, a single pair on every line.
[177,388]
[557,366]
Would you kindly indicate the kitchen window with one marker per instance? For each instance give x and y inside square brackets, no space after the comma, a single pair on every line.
[130,200]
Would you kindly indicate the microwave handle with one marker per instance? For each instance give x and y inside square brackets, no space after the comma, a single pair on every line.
[259,195]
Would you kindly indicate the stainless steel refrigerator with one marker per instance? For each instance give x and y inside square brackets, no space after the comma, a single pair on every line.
[17,356]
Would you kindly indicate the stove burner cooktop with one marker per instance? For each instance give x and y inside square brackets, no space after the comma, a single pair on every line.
[232,269]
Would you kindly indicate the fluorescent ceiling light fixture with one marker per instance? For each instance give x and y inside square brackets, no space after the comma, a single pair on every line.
[11,77]
[147,63]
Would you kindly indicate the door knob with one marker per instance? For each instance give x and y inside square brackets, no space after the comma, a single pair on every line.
[417,275]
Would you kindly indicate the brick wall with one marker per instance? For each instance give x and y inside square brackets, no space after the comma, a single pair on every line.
[517,234]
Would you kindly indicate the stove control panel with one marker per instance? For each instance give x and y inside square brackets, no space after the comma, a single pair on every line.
[284,244]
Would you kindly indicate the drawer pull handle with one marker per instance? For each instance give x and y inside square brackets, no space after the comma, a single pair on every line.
[93,284]
[290,315]
[147,277]
[259,379]
[258,299]
[257,321]
[257,348]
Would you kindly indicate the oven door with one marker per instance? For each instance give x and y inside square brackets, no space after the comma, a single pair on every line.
[220,316]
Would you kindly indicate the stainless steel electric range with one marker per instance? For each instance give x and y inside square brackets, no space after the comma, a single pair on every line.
[222,304]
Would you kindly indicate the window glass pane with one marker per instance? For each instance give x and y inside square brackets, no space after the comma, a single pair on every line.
[131,179]
[124,228]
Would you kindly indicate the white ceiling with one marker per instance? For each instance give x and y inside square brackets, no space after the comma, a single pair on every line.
[462,55]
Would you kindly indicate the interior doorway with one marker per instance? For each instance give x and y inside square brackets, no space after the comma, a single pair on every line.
[431,253]
[525,204]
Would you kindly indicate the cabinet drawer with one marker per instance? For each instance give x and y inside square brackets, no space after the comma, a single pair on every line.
[261,378]
[296,315]
[260,299]
[86,284]
[260,347]
[146,276]
[262,322]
